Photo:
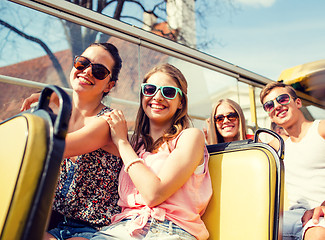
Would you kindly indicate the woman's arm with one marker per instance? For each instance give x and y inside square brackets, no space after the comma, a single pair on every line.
[177,169]
[94,135]
[34,98]
[206,130]
[275,142]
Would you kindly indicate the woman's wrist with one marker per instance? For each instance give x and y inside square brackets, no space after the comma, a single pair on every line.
[130,163]
[122,144]
[126,150]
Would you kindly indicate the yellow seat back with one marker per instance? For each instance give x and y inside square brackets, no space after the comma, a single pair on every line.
[246,201]
[23,149]
[31,149]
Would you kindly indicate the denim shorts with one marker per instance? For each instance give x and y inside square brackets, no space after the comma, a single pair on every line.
[72,228]
[292,225]
[154,229]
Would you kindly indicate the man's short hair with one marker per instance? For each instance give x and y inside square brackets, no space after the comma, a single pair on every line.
[270,86]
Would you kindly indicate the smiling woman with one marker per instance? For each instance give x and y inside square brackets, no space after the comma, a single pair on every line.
[86,195]
[165,185]
[226,123]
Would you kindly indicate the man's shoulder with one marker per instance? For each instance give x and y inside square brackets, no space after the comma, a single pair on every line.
[322,122]
[284,137]
[321,128]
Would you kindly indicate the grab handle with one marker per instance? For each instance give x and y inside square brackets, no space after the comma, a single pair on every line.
[274,134]
[61,123]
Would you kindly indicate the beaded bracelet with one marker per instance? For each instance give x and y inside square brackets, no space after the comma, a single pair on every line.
[128,165]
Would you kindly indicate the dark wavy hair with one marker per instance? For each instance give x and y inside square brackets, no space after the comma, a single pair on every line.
[117,60]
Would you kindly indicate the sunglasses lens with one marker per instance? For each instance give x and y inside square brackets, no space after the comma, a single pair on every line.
[219,119]
[81,63]
[268,106]
[99,71]
[149,90]
[283,99]
[169,92]
[232,116]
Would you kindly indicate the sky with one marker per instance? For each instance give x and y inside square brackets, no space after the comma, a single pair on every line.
[268,36]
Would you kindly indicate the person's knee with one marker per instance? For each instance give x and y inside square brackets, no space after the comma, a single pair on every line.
[315,233]
[48,236]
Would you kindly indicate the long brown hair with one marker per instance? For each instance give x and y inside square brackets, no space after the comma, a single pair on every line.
[214,136]
[180,120]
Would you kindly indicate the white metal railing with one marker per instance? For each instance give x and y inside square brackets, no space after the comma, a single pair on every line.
[38,85]
[26,83]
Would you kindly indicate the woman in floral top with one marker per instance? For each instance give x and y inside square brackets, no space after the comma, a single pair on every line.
[87,194]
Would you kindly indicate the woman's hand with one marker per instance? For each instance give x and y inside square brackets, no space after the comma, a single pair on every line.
[54,101]
[29,101]
[206,130]
[118,125]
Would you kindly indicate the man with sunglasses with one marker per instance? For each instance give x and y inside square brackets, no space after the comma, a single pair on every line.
[304,162]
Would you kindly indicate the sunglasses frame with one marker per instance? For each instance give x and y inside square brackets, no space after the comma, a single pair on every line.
[218,121]
[277,99]
[161,88]
[93,66]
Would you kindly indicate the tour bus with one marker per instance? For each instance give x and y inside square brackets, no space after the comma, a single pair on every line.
[247,175]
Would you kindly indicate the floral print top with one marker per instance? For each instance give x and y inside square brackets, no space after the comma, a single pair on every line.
[88,188]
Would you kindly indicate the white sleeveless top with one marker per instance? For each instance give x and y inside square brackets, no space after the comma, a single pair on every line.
[305,168]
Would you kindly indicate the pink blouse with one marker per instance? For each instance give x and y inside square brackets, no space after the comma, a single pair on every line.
[184,208]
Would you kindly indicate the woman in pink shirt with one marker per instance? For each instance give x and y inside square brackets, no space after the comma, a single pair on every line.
[165,185]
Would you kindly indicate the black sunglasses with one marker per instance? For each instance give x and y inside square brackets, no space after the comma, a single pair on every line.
[283,99]
[168,92]
[99,71]
[232,117]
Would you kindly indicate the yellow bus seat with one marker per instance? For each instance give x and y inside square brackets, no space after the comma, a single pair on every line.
[286,203]
[247,181]
[31,149]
